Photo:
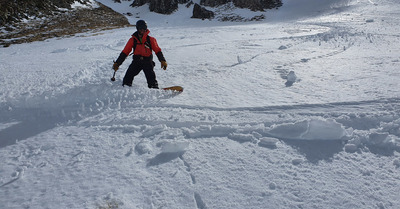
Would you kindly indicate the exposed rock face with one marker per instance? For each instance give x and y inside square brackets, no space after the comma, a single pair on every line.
[213,3]
[138,3]
[160,6]
[169,6]
[251,4]
[163,6]
[11,11]
[201,12]
[63,24]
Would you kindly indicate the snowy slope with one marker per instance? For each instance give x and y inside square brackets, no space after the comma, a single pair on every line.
[245,133]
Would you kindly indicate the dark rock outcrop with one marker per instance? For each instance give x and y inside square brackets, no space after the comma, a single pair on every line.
[250,4]
[201,12]
[138,3]
[163,6]
[169,6]
[257,4]
[160,6]
[62,24]
[12,11]
[213,3]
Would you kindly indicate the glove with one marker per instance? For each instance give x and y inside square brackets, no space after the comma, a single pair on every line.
[115,66]
[164,65]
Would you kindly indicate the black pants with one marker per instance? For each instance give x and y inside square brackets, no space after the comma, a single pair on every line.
[138,64]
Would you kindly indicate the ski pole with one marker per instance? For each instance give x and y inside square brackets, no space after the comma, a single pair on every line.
[113,78]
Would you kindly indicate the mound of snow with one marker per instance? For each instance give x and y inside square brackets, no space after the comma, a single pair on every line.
[313,129]
[268,142]
[143,147]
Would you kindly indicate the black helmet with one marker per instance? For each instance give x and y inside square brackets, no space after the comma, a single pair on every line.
[141,24]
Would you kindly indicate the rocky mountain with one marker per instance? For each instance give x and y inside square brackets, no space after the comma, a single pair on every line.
[169,6]
[160,6]
[45,19]
[11,11]
[255,5]
[33,20]
[202,13]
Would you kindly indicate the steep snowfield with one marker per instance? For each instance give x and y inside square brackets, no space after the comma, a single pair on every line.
[297,112]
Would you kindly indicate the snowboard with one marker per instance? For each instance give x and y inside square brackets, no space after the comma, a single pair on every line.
[173,88]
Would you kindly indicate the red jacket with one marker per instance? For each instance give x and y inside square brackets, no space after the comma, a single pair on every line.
[141,46]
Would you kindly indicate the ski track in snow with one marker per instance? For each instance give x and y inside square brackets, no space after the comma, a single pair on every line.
[71,138]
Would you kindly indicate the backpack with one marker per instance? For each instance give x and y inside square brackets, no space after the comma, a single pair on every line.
[147,43]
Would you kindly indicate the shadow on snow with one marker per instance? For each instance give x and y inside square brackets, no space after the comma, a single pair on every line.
[37,115]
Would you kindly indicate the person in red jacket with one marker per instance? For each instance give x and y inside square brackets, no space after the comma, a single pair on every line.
[143,46]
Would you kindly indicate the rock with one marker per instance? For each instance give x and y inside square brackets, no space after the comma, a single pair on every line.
[163,6]
[14,11]
[160,6]
[255,5]
[189,4]
[202,13]
[61,23]
[213,3]
[138,3]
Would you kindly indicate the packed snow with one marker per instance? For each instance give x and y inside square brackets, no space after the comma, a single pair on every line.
[300,110]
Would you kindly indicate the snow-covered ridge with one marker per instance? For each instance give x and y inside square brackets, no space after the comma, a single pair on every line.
[291,9]
[282,114]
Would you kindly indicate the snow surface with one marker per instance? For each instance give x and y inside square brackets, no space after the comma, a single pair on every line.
[238,136]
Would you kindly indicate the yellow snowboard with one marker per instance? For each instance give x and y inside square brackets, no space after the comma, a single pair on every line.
[174,88]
